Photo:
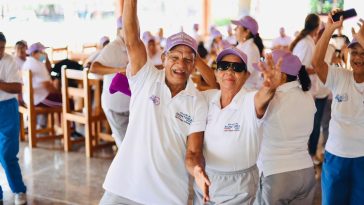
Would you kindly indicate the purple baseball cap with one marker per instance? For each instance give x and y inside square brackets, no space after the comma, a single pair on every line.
[120,84]
[248,22]
[215,33]
[180,38]
[291,64]
[147,36]
[35,47]
[232,51]
[103,40]
[352,43]
[119,23]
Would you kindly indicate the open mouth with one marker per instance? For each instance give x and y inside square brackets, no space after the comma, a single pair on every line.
[179,72]
[358,63]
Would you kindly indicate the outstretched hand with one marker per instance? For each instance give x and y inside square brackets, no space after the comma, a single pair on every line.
[202,181]
[360,34]
[331,24]
[271,72]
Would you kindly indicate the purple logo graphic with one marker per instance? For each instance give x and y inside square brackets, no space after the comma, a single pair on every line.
[155,99]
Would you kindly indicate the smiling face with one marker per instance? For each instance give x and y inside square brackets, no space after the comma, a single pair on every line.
[178,64]
[357,59]
[230,80]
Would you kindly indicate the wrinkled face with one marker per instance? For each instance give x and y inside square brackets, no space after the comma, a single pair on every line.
[357,59]
[229,79]
[21,51]
[2,48]
[178,64]
[241,33]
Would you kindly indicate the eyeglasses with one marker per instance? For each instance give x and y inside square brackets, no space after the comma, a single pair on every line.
[237,67]
[176,56]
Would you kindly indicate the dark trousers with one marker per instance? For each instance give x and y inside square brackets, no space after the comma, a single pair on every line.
[315,135]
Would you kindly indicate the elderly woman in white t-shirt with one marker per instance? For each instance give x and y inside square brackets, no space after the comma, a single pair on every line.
[232,136]
[287,174]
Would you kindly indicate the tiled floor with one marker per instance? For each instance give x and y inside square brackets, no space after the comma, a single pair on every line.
[57,178]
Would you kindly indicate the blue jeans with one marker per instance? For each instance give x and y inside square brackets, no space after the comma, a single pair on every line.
[315,135]
[342,180]
[9,145]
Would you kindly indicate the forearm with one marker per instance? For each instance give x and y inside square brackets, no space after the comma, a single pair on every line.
[100,69]
[262,99]
[12,88]
[193,160]
[207,73]
[131,25]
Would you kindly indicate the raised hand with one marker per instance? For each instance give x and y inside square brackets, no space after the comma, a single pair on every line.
[271,72]
[360,34]
[331,24]
[202,181]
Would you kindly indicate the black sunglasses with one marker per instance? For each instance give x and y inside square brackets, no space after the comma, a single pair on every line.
[237,67]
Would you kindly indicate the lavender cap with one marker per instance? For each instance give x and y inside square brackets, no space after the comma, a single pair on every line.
[35,47]
[248,22]
[291,64]
[232,51]
[180,38]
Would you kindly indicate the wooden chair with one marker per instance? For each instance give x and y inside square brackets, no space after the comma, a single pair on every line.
[31,111]
[88,48]
[92,118]
[58,54]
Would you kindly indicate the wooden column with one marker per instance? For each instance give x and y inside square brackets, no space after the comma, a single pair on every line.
[206,17]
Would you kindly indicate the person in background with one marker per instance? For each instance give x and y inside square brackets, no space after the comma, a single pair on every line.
[46,91]
[160,39]
[196,34]
[113,59]
[102,43]
[20,52]
[286,170]
[231,37]
[342,171]
[154,53]
[10,86]
[251,44]
[164,139]
[341,42]
[282,42]
[303,47]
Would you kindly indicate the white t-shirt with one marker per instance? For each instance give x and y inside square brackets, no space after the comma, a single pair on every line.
[113,55]
[281,41]
[286,129]
[254,81]
[9,72]
[346,131]
[231,40]
[19,61]
[149,167]
[232,136]
[40,75]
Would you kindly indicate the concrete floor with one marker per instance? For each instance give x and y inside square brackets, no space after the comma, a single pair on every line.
[54,177]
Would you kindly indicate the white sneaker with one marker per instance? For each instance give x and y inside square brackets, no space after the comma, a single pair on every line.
[20,198]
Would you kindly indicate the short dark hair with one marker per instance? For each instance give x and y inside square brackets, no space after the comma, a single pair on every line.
[2,37]
[21,43]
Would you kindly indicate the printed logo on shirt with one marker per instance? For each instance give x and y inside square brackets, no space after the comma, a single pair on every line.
[341,98]
[155,99]
[184,117]
[232,127]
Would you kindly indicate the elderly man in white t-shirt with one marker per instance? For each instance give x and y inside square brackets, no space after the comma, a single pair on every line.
[10,86]
[342,173]
[167,121]
[113,59]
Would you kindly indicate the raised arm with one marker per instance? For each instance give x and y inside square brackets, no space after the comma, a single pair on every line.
[359,36]
[195,162]
[272,79]
[318,60]
[135,47]
[207,73]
